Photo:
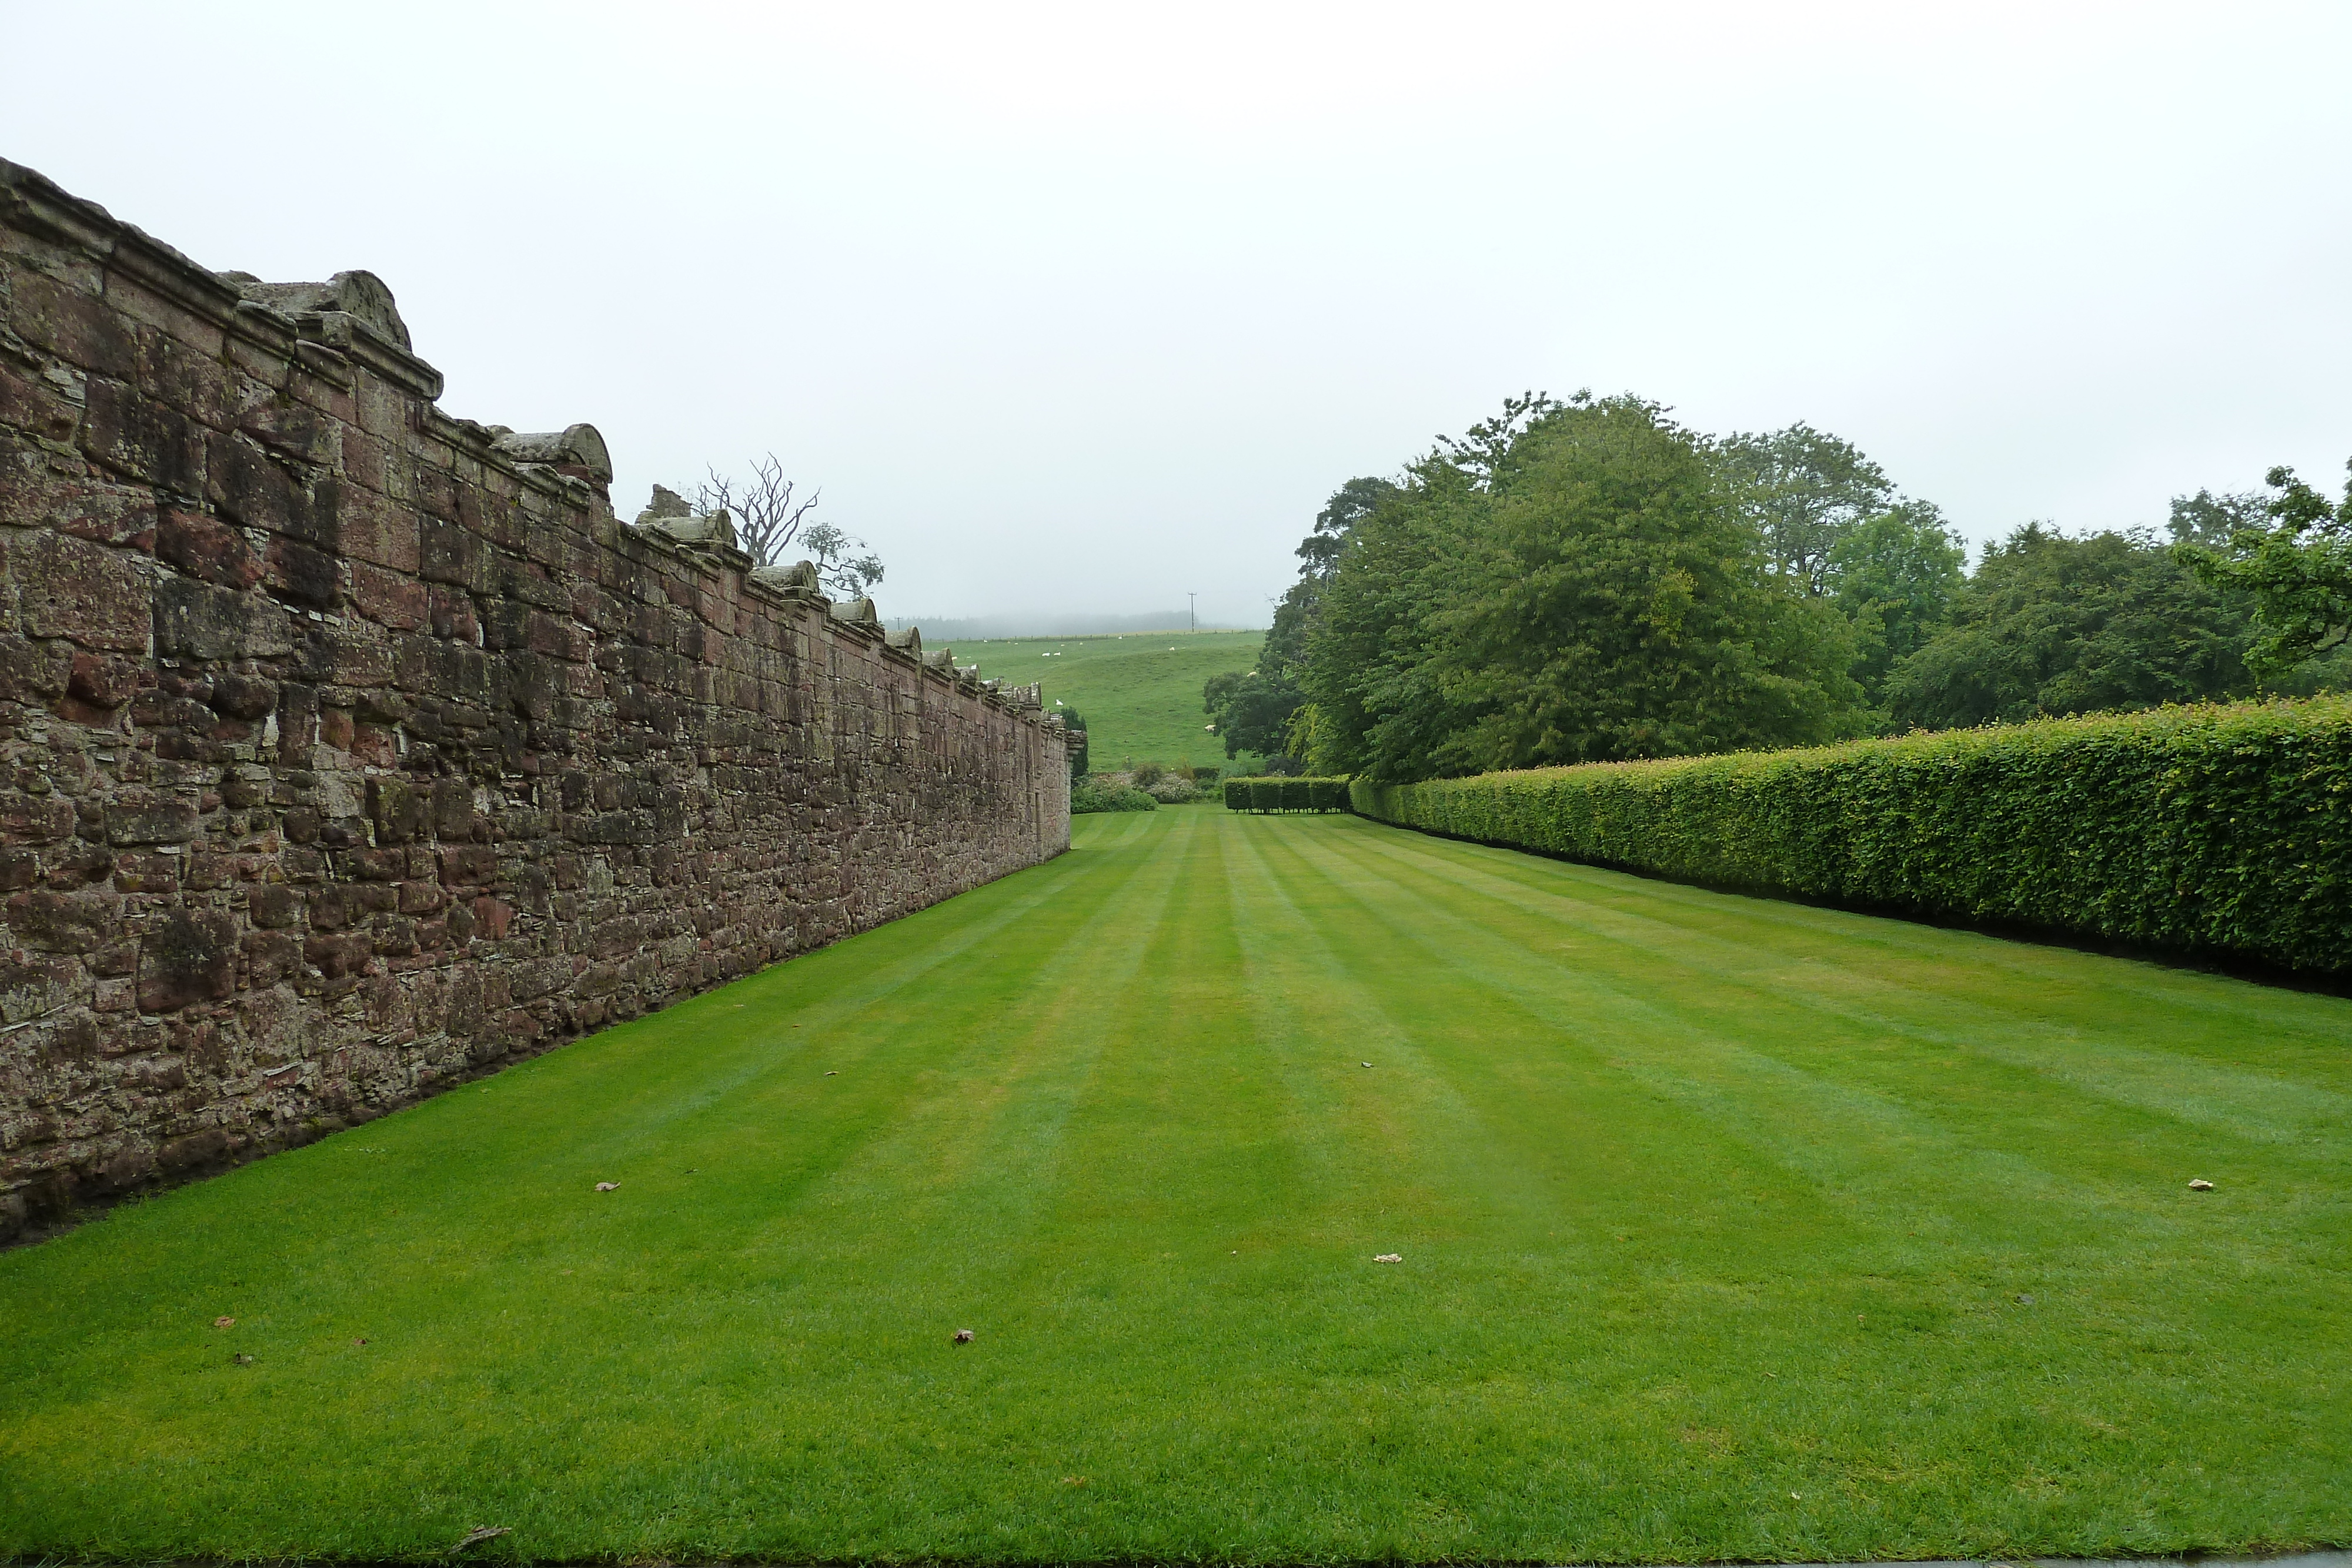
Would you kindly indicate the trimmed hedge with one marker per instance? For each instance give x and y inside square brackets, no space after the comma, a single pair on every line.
[1092,797]
[1286,795]
[2215,829]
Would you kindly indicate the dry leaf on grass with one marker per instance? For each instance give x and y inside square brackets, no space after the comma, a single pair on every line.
[480,1534]
[224,1323]
[608,1186]
[1389,1258]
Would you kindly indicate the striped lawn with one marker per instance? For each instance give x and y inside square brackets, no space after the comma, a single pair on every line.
[1729,1228]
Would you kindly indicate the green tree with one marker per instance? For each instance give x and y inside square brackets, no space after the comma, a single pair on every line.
[1572,582]
[1252,709]
[2206,518]
[1896,577]
[1077,741]
[1350,505]
[1803,490]
[2053,624]
[2298,570]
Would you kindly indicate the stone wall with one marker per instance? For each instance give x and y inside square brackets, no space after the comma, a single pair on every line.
[347,749]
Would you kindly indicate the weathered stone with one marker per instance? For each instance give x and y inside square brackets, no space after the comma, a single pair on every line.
[363,294]
[244,697]
[142,817]
[104,683]
[197,620]
[359,736]
[191,958]
[207,549]
[140,439]
[81,592]
[58,922]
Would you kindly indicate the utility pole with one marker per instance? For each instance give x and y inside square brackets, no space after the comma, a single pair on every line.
[1193,607]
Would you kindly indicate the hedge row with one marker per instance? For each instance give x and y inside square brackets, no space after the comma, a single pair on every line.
[1090,796]
[1286,795]
[2219,829]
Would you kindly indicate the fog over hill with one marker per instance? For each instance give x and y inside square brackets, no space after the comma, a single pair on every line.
[1048,623]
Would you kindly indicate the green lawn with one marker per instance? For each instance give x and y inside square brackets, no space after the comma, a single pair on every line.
[1729,1229]
[1140,692]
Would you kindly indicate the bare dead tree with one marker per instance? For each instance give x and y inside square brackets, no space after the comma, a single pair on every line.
[770,519]
[768,514]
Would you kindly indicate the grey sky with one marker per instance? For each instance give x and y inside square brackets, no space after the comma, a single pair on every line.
[1085,306]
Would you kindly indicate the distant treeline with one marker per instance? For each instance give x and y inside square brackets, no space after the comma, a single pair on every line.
[1046,623]
[1590,581]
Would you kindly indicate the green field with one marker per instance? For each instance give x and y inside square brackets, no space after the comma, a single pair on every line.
[1140,691]
[1728,1229]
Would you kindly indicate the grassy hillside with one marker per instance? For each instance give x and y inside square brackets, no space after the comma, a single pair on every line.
[1717,1229]
[1140,691]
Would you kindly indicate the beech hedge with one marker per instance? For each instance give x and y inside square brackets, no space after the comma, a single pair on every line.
[1286,795]
[2219,829]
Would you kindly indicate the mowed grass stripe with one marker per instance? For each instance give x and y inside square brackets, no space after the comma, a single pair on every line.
[1870,1085]
[1715,1214]
[1839,1121]
[2082,1049]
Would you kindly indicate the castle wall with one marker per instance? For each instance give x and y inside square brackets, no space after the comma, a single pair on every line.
[347,749]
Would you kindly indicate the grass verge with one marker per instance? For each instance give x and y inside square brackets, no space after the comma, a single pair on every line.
[1140,691]
[1728,1229]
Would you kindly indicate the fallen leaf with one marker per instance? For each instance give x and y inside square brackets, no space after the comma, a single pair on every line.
[2201,1185]
[480,1534]
[608,1186]
[1389,1258]
[1074,1480]
[224,1323]
[963,1336]
[835,1072]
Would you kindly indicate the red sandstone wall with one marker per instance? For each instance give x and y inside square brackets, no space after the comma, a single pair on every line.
[346,747]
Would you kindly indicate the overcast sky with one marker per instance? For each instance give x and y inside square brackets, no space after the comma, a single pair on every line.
[1087,306]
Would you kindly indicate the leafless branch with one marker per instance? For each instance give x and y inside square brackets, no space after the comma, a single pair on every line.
[767,513]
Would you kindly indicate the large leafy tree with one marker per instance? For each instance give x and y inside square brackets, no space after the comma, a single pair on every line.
[1253,710]
[1896,578]
[2053,625]
[1803,490]
[2294,562]
[1570,582]
[2206,518]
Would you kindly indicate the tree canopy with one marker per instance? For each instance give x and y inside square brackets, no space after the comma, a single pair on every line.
[2053,625]
[1572,582]
[1589,580]
[2297,570]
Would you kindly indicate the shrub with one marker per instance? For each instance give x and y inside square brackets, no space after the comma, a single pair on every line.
[1148,775]
[1171,790]
[1286,794]
[1096,795]
[2218,829]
